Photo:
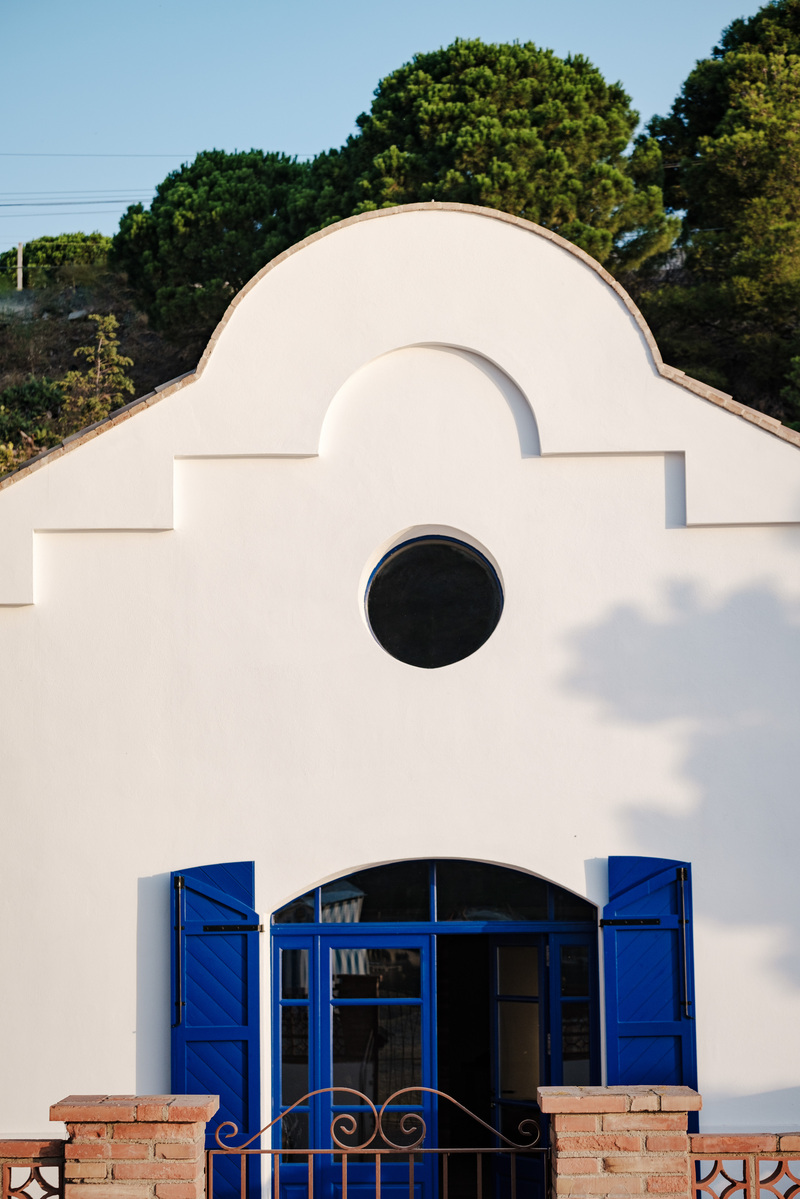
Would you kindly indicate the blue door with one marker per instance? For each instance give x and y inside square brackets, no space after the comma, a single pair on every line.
[355,1028]
[466,978]
[544,1031]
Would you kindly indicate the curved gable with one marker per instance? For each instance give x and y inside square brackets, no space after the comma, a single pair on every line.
[548,318]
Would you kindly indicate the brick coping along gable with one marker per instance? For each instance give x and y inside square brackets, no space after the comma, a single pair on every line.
[768,423]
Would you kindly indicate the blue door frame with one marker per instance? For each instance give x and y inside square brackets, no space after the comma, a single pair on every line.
[313,1011]
[566,1003]
[318,1014]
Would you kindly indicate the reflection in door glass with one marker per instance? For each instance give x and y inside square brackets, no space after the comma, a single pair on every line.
[518,970]
[575,1044]
[377,1049]
[519,1050]
[376,973]
[294,1054]
[398,891]
[571,907]
[294,974]
[294,1134]
[574,969]
[298,911]
[477,891]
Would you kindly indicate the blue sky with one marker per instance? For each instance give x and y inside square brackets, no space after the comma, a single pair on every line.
[155,81]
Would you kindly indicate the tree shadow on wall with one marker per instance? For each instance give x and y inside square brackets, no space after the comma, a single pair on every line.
[731,672]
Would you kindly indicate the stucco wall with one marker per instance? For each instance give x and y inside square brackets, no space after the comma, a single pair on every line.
[195,681]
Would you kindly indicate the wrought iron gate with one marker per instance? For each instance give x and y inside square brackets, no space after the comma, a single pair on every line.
[396,1159]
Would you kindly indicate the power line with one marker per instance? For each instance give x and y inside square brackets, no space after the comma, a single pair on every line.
[75,191]
[42,266]
[16,154]
[19,216]
[25,154]
[64,203]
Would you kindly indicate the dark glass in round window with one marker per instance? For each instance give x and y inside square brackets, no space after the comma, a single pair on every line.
[433,601]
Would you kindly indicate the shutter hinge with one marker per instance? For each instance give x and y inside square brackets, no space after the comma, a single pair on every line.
[548,1042]
[683,877]
[180,1003]
[637,921]
[233,928]
[547,961]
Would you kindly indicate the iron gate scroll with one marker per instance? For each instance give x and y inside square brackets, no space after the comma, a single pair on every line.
[393,1161]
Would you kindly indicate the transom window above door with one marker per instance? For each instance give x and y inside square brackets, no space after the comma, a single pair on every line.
[442,891]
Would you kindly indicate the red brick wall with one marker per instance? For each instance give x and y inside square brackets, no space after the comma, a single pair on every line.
[135,1147]
[619,1141]
[25,1158]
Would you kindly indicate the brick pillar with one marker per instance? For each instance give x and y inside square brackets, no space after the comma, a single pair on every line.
[135,1146]
[615,1141]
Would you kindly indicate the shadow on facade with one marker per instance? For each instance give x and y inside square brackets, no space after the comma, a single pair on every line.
[730,672]
[153,1000]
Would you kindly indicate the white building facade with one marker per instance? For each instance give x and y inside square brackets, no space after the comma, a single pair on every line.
[192,679]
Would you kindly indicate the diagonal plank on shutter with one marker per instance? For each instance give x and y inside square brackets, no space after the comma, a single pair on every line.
[649,973]
[216,1018]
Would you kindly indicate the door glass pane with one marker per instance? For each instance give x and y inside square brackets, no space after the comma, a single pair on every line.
[518,970]
[567,906]
[353,1129]
[299,911]
[475,891]
[294,974]
[415,1124]
[294,1135]
[363,1124]
[376,973]
[294,1054]
[377,1049]
[574,969]
[519,1050]
[575,1043]
[511,1116]
[397,892]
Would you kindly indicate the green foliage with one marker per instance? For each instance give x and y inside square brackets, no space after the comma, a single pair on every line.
[211,226]
[90,394]
[731,314]
[45,257]
[40,412]
[510,127]
[706,95]
[791,393]
[28,412]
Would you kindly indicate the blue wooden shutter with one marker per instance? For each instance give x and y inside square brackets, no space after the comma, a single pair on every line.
[215,1002]
[649,973]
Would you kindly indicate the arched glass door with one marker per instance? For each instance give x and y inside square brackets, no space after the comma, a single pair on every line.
[472,979]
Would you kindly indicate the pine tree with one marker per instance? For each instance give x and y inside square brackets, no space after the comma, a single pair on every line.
[729,310]
[90,394]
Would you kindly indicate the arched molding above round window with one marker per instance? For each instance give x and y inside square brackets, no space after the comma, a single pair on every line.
[464,367]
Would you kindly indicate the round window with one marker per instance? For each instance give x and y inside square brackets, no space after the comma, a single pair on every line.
[433,601]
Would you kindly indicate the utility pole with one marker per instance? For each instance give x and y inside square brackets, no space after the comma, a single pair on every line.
[19,266]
